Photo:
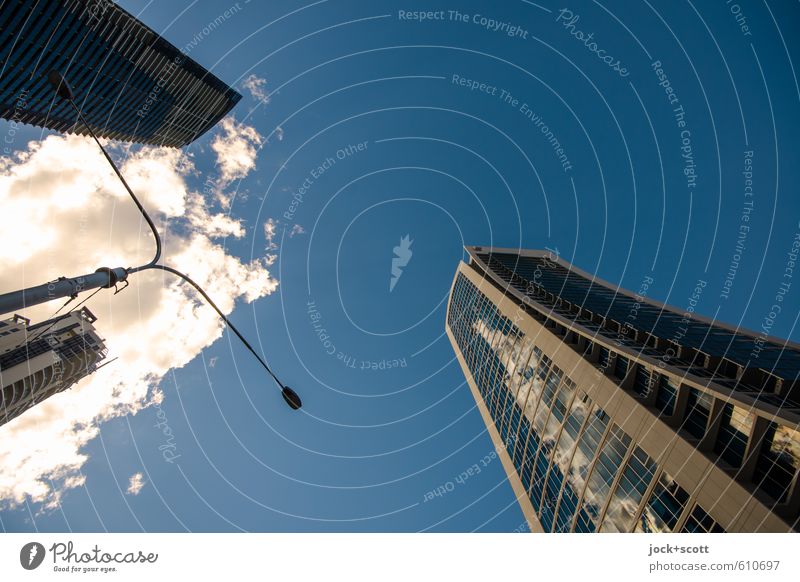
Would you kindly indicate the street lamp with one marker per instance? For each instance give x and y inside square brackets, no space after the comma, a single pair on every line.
[107,278]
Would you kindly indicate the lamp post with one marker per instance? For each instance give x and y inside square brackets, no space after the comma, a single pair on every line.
[106,277]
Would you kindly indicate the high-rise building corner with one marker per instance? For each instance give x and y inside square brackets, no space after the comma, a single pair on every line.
[615,413]
[129,82]
[43,359]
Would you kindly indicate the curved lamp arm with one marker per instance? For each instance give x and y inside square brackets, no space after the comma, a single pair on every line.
[289,395]
[64,91]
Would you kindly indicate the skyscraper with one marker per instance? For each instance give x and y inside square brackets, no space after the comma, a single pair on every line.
[43,359]
[129,82]
[613,412]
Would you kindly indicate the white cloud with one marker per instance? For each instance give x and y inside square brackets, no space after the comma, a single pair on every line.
[270,232]
[135,484]
[297,229]
[257,88]
[279,133]
[71,216]
[236,147]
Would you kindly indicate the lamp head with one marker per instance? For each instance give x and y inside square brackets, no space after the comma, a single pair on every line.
[60,85]
[291,398]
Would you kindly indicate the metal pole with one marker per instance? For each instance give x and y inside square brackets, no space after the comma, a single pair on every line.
[142,211]
[61,287]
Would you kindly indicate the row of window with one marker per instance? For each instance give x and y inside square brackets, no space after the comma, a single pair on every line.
[778,458]
[582,472]
[38,386]
[530,276]
[614,305]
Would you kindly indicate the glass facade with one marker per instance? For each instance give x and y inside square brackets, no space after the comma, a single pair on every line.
[698,410]
[71,349]
[700,522]
[621,365]
[666,395]
[778,460]
[129,82]
[581,472]
[553,278]
[636,478]
[642,382]
[664,508]
[598,486]
[579,469]
[605,357]
[734,432]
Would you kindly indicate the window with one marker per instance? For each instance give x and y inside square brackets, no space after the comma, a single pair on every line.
[519,451]
[621,367]
[563,399]
[543,367]
[698,409]
[503,412]
[665,506]
[540,465]
[551,430]
[665,397]
[778,461]
[700,522]
[603,474]
[23,353]
[529,455]
[562,457]
[734,432]
[579,468]
[641,382]
[605,356]
[543,463]
[628,494]
[551,385]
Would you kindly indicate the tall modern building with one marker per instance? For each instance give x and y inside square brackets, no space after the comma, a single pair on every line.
[43,359]
[129,82]
[615,413]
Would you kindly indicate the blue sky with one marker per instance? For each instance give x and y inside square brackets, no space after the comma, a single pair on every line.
[447,165]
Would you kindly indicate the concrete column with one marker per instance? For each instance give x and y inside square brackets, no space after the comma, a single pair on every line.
[650,399]
[627,382]
[595,355]
[706,444]
[760,426]
[793,497]
[681,399]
